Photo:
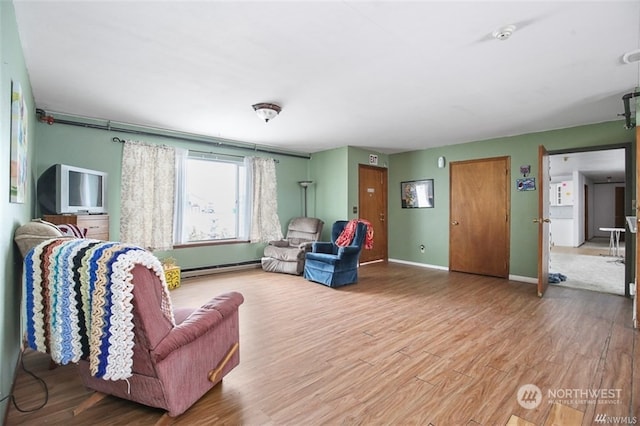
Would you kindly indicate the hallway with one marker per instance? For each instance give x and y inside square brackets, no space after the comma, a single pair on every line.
[590,266]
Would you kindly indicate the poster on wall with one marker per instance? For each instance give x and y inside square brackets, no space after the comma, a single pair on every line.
[526,184]
[18,166]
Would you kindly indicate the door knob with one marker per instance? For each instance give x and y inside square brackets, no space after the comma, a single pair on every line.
[455,222]
[541,220]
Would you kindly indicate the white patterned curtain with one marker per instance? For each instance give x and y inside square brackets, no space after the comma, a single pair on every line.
[147,195]
[265,224]
[181,196]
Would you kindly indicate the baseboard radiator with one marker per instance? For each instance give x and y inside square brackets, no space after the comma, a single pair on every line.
[216,269]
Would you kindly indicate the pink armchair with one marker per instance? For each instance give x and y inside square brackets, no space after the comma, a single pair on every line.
[173,367]
[148,352]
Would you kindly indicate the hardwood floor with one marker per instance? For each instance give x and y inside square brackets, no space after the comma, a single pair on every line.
[406,345]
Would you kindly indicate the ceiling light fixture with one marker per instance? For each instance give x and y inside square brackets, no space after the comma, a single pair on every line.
[504,32]
[266,111]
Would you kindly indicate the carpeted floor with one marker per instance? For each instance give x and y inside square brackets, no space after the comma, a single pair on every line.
[590,266]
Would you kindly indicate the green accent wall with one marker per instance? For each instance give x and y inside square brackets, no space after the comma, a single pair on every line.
[408,228]
[12,215]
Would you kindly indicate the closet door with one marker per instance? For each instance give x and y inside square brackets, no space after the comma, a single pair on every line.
[479,216]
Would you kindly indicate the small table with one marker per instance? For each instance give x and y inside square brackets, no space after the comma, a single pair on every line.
[614,240]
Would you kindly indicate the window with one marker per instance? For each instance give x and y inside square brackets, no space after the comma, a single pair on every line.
[212,205]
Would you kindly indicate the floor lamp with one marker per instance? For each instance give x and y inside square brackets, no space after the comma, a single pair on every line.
[305,184]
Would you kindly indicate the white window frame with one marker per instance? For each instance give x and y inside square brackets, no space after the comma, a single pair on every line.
[243,196]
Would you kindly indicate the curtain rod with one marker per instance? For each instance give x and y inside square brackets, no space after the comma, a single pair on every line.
[118,140]
[43,117]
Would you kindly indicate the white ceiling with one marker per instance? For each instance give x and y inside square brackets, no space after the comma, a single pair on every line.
[599,166]
[389,76]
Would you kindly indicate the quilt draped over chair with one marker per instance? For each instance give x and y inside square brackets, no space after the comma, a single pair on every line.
[106,306]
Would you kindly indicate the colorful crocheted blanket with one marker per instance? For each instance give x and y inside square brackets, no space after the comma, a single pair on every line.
[78,302]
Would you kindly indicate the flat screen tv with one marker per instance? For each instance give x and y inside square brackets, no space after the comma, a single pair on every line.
[64,189]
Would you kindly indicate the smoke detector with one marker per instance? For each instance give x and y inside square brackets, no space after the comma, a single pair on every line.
[504,32]
[630,57]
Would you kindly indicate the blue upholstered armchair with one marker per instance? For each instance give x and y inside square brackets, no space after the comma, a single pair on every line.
[332,265]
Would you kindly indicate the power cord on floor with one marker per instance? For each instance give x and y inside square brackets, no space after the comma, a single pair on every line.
[42,382]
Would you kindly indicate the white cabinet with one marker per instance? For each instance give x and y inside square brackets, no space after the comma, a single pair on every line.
[561,193]
[562,232]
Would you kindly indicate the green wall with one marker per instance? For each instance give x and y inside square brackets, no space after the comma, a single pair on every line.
[94,149]
[335,191]
[329,171]
[408,228]
[12,68]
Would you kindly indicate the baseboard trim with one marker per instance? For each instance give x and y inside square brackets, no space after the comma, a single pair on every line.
[216,269]
[422,265]
[445,268]
[252,264]
[523,279]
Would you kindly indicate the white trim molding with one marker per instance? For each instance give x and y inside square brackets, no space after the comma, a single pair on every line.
[422,265]
[520,278]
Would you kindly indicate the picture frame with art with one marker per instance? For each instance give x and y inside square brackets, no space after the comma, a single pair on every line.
[19,151]
[417,194]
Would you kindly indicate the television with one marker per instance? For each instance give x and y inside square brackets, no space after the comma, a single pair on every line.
[64,189]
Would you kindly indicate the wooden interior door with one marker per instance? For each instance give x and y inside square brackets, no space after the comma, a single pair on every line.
[637,305]
[544,247]
[479,227]
[372,200]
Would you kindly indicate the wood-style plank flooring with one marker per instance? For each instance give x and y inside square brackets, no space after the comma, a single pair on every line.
[406,345]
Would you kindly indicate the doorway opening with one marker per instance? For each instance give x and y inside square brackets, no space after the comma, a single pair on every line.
[589,198]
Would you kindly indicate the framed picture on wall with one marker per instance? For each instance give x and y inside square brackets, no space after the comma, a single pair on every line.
[526,184]
[18,165]
[417,194]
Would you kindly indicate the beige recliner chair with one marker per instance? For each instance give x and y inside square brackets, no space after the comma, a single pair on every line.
[33,233]
[288,255]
